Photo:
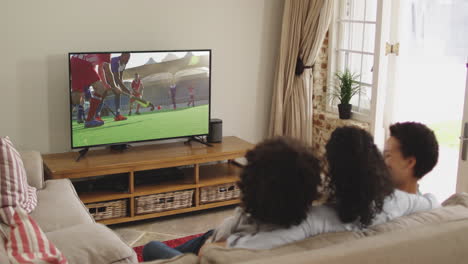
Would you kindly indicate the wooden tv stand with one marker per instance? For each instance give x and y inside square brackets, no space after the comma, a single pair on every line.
[201,171]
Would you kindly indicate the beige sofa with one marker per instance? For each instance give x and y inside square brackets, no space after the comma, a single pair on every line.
[436,236]
[66,222]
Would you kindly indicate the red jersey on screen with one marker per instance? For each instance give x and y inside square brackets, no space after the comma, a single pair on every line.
[83,72]
[94,59]
[190,89]
[136,85]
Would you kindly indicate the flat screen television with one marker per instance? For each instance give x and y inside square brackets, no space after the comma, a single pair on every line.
[126,97]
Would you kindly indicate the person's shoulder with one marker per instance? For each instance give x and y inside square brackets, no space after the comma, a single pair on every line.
[415,202]
[324,218]
[398,194]
[432,198]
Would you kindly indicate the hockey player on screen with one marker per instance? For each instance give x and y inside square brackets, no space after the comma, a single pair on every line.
[137,87]
[118,65]
[172,91]
[191,96]
[80,118]
[83,75]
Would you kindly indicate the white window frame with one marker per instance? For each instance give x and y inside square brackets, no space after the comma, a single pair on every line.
[334,37]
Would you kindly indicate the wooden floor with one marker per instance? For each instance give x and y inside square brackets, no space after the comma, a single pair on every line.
[171,227]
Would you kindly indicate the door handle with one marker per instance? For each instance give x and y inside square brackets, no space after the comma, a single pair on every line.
[464,140]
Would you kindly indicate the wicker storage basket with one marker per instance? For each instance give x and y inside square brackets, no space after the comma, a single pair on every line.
[163,202]
[222,192]
[107,210]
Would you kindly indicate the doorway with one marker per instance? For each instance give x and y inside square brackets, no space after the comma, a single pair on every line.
[426,80]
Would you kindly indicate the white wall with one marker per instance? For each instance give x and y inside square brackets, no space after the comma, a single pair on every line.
[35,37]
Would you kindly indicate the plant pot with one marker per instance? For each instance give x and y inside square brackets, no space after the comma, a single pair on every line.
[344,111]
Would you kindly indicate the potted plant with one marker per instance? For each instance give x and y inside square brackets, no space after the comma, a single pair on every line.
[346,86]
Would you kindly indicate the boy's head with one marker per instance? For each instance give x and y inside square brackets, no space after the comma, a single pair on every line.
[280,181]
[410,152]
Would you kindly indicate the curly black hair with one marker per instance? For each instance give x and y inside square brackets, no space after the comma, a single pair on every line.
[358,179]
[280,181]
[418,141]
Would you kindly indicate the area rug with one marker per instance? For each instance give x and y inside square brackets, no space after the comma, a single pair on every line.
[172,243]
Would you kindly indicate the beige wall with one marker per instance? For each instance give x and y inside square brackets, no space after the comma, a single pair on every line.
[35,37]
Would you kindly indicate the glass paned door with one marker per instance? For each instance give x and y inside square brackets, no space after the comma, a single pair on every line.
[426,81]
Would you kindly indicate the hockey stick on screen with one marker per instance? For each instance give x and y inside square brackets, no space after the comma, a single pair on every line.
[109,109]
[140,101]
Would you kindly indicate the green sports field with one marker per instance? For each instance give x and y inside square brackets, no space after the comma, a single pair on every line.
[150,125]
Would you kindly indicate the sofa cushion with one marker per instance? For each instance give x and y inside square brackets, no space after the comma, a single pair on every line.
[24,240]
[126,261]
[181,259]
[59,206]
[14,188]
[92,243]
[455,208]
[435,216]
[438,243]
[33,165]
[3,253]
[457,199]
[214,254]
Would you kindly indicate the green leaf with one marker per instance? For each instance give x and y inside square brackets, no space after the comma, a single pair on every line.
[346,86]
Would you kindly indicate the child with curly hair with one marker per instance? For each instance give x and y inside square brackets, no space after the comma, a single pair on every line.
[278,185]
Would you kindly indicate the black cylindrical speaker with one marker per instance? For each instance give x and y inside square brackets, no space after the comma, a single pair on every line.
[216,131]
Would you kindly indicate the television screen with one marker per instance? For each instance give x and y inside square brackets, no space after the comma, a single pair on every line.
[124,97]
